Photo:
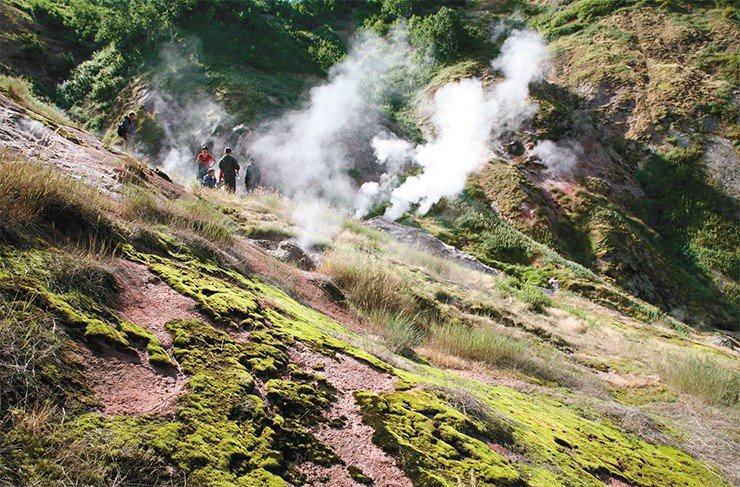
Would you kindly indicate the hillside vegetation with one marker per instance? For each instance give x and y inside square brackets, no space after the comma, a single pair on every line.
[155,334]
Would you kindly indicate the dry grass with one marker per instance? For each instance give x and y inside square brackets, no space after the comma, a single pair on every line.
[20,90]
[370,283]
[28,349]
[187,213]
[703,377]
[495,347]
[36,201]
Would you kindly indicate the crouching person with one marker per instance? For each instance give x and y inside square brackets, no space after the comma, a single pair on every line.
[209,180]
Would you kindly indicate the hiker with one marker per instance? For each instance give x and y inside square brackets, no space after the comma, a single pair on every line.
[251,176]
[209,180]
[126,130]
[229,169]
[204,162]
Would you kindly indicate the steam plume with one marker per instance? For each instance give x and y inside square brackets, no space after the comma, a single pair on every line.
[560,160]
[465,117]
[307,153]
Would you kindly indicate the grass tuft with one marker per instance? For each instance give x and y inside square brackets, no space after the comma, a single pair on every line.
[37,201]
[187,213]
[21,91]
[705,378]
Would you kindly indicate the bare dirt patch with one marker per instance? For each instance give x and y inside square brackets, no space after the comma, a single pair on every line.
[352,441]
[126,385]
[150,303]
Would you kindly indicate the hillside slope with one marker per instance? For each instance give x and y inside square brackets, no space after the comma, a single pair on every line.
[643,94]
[149,339]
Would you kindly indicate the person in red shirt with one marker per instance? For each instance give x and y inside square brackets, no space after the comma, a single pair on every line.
[204,162]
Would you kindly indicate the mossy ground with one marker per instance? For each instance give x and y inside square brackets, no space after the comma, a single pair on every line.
[227,432]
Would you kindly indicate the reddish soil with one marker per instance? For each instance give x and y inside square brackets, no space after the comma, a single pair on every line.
[612,482]
[127,385]
[150,303]
[352,441]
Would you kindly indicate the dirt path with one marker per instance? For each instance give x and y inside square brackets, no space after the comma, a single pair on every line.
[352,441]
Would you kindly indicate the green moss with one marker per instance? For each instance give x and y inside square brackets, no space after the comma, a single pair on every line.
[156,353]
[435,444]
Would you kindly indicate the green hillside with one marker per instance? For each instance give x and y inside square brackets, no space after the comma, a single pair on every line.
[159,334]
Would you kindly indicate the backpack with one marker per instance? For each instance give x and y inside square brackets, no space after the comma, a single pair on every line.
[122,129]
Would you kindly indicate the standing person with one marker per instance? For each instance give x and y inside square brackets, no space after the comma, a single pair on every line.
[229,169]
[209,180]
[251,176]
[204,162]
[126,130]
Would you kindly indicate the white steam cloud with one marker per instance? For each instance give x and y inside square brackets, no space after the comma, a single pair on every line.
[466,116]
[308,153]
[560,160]
[187,121]
[186,127]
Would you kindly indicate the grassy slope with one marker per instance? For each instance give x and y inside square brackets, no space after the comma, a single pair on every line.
[229,431]
[641,87]
[633,77]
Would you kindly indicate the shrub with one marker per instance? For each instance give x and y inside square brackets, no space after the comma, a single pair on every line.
[705,378]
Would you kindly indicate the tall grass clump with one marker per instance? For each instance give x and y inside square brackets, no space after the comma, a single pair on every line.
[705,378]
[400,333]
[186,213]
[369,283]
[37,201]
[491,347]
[21,91]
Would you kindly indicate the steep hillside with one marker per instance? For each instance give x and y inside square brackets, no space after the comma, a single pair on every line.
[570,317]
[148,339]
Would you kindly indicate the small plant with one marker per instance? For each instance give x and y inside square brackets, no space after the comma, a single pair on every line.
[534,297]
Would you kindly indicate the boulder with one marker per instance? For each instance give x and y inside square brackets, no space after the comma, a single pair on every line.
[292,253]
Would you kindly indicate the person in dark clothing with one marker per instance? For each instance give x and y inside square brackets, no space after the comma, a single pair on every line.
[126,129]
[209,180]
[229,169]
[251,176]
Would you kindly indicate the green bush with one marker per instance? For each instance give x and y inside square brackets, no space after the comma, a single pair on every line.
[445,35]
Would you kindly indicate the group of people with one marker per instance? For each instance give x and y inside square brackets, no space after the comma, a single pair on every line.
[228,171]
[205,162]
